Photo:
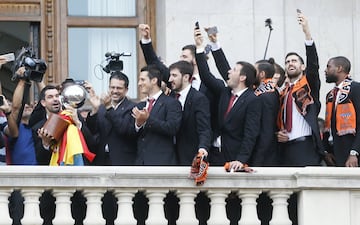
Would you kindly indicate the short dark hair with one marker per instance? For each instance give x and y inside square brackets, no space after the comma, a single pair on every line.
[294,53]
[267,67]
[153,72]
[42,92]
[343,62]
[249,71]
[183,66]
[119,76]
[192,49]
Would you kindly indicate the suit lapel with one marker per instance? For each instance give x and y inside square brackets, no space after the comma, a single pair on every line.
[158,104]
[238,104]
[188,103]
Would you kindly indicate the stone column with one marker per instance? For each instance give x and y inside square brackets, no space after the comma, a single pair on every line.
[125,215]
[93,203]
[187,207]
[31,206]
[280,215]
[248,207]
[4,207]
[63,207]
[218,210]
[156,207]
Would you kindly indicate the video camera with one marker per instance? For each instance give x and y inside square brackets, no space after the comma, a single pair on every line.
[114,62]
[34,68]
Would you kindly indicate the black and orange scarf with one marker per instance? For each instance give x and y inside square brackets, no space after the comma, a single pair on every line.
[344,110]
[266,86]
[302,97]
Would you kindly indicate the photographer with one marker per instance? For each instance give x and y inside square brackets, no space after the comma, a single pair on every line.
[20,142]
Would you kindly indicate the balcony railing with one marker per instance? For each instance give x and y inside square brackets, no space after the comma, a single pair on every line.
[325,195]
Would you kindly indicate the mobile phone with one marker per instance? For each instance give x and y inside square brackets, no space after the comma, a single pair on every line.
[298,10]
[1,100]
[197,25]
[8,57]
[212,30]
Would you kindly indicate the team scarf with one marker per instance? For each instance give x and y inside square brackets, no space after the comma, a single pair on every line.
[69,150]
[199,168]
[265,86]
[345,115]
[301,93]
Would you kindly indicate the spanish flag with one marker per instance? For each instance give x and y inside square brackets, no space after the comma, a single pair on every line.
[69,150]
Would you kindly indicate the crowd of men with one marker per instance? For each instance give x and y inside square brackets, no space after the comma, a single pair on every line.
[263,116]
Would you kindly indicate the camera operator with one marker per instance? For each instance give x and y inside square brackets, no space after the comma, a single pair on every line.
[20,142]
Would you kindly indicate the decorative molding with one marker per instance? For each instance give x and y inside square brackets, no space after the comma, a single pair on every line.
[49,32]
[20,9]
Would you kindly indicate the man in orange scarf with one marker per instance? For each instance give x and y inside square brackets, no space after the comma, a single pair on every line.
[342,116]
[299,135]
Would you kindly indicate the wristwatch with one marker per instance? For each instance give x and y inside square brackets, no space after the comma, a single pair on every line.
[354,153]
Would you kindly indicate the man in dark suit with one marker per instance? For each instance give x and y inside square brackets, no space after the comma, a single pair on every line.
[239,109]
[195,130]
[299,132]
[112,121]
[187,54]
[157,121]
[266,150]
[344,99]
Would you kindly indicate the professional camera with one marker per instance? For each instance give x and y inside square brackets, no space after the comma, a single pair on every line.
[114,62]
[34,68]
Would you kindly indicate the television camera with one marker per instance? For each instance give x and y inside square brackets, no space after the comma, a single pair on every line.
[114,62]
[34,68]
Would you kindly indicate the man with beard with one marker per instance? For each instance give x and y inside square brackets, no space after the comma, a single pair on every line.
[342,114]
[112,122]
[195,131]
[299,135]
[187,54]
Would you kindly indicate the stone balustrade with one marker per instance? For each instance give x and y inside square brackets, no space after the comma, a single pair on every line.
[325,195]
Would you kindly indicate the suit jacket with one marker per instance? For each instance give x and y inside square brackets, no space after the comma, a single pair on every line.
[195,129]
[155,144]
[266,149]
[151,58]
[114,129]
[240,128]
[343,144]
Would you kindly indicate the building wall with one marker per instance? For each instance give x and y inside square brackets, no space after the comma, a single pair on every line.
[334,24]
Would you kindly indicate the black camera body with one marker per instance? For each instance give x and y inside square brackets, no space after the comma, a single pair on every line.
[34,68]
[114,62]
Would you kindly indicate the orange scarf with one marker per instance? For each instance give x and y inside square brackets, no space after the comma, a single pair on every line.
[265,86]
[301,94]
[345,115]
[71,144]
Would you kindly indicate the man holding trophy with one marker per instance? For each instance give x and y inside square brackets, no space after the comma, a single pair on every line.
[60,139]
